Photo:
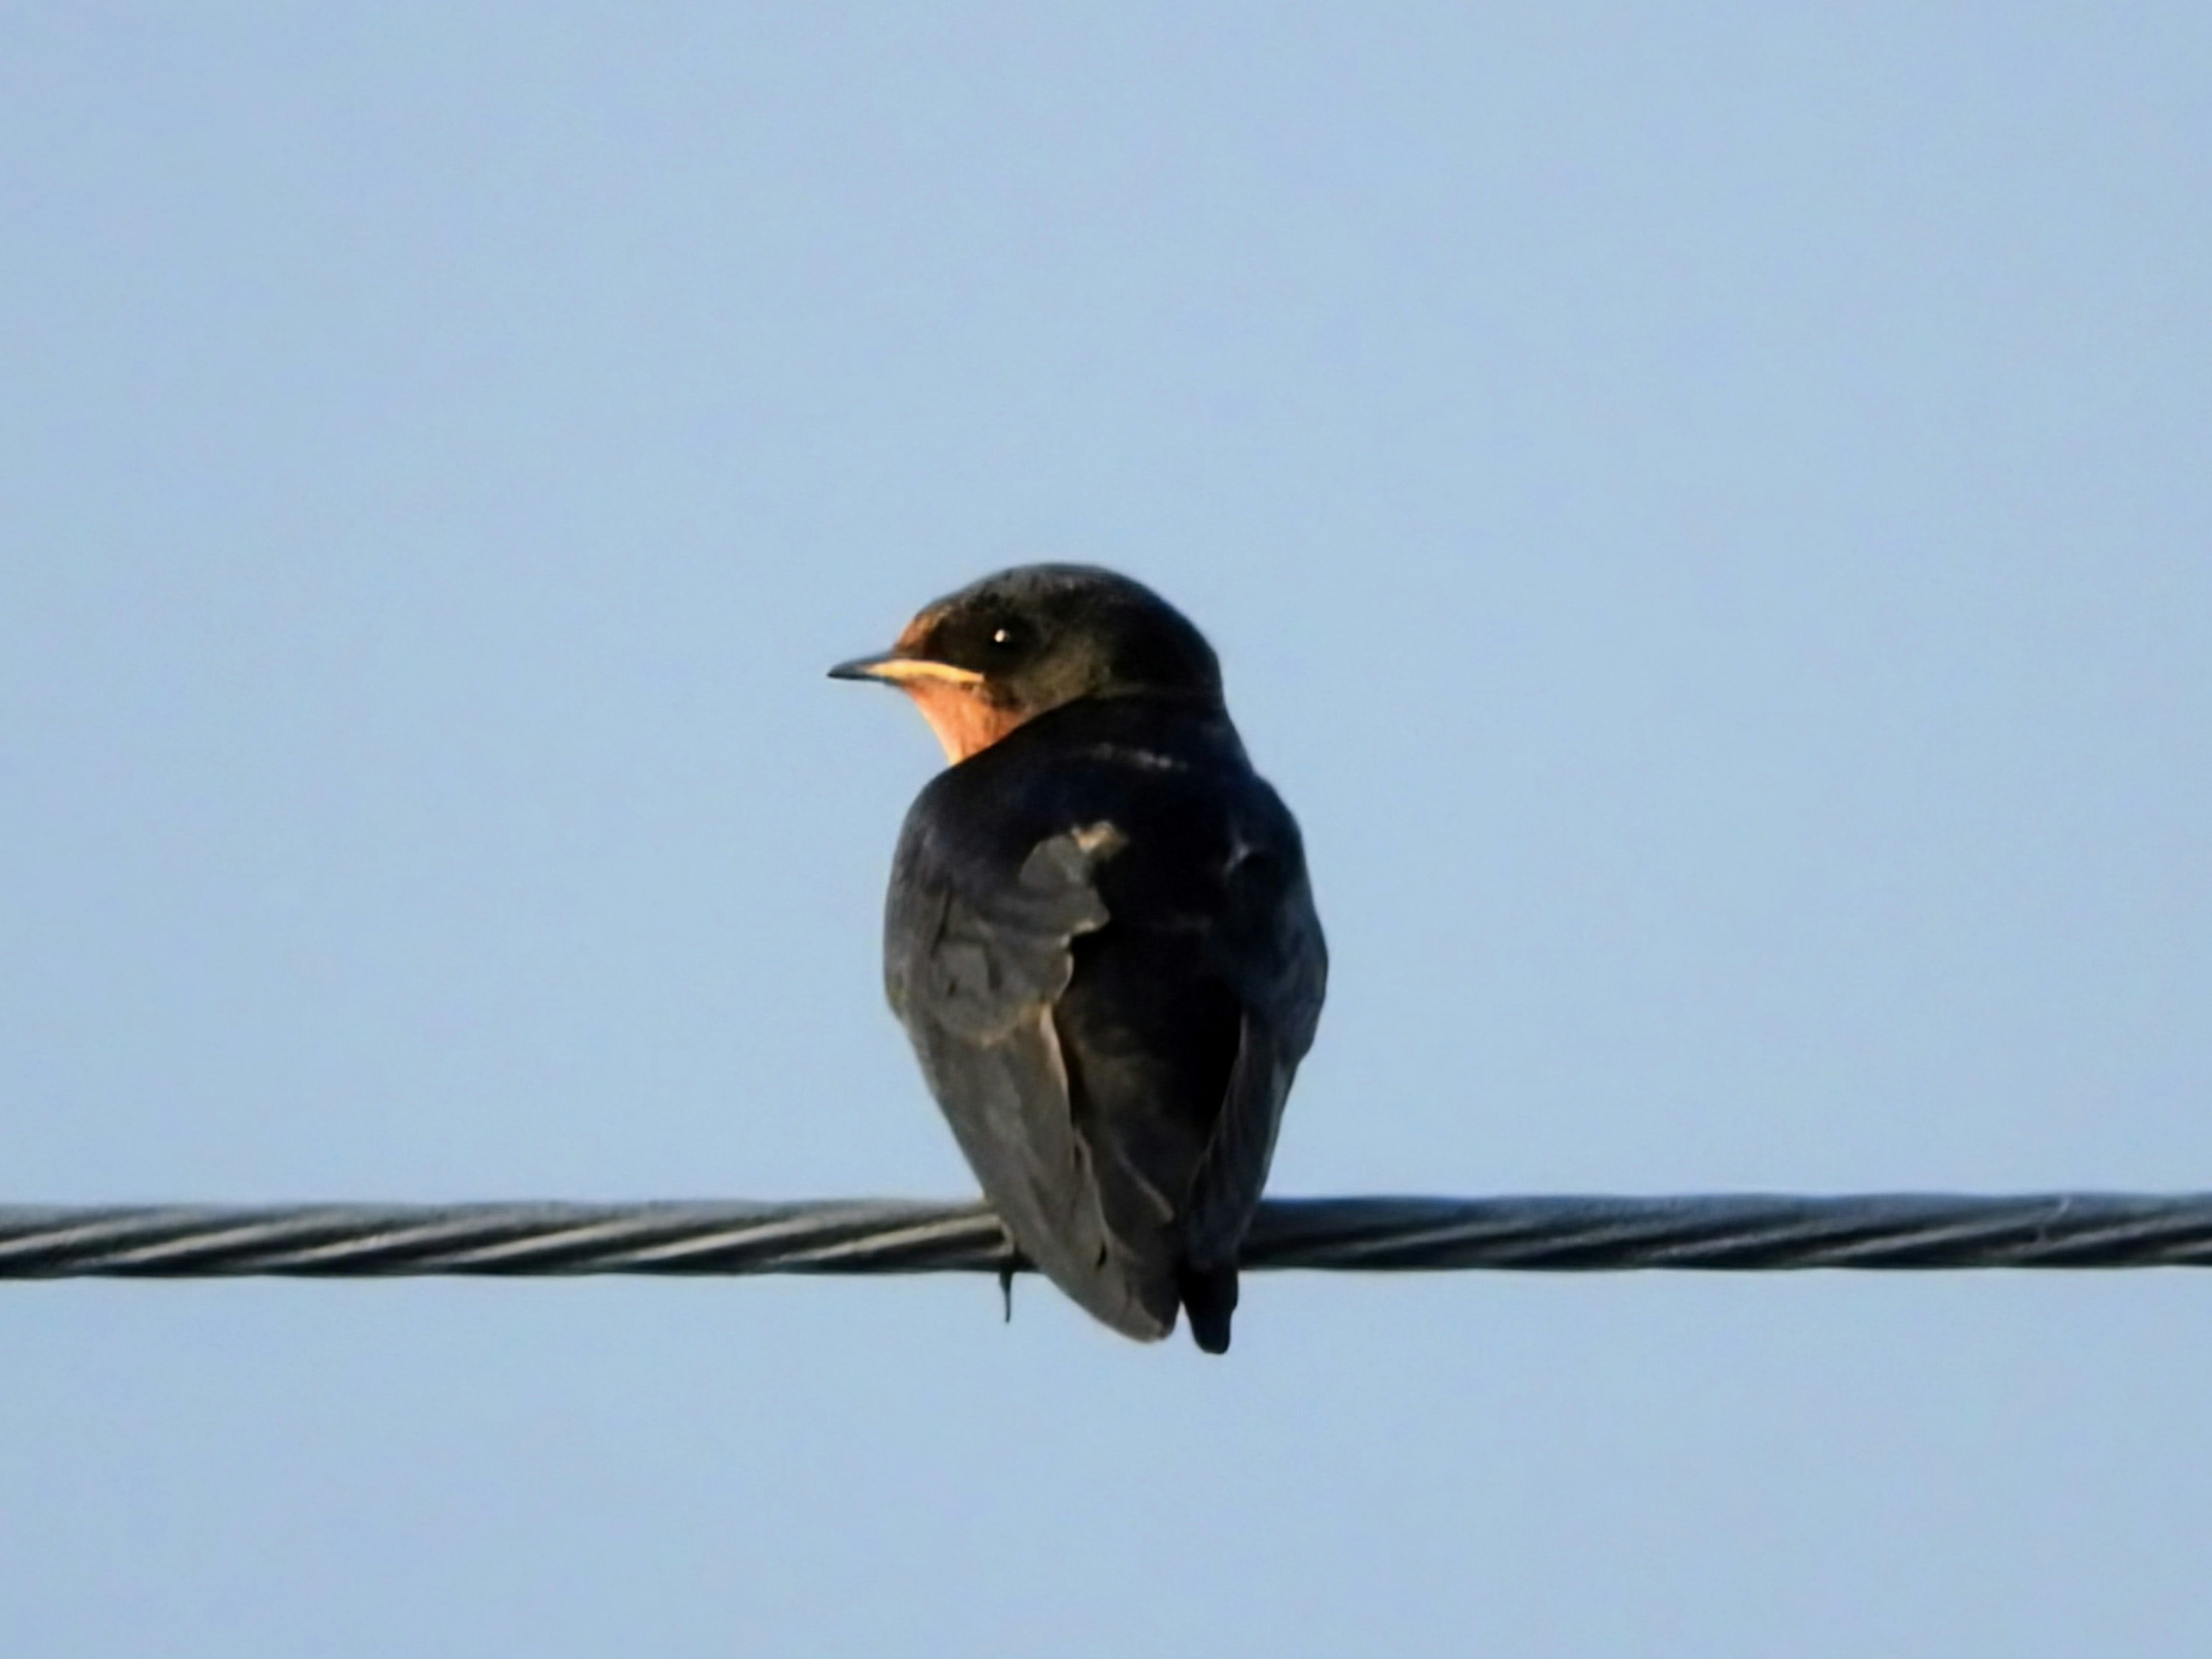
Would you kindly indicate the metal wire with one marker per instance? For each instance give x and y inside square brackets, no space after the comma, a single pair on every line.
[1733,1233]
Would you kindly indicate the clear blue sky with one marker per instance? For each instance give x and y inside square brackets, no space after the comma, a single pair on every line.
[1707,519]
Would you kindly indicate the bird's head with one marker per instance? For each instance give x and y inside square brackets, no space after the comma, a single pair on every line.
[980,662]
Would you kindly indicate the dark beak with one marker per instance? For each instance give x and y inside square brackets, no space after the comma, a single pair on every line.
[896,668]
[863,668]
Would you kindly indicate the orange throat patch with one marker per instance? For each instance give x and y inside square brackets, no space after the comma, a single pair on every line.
[965,720]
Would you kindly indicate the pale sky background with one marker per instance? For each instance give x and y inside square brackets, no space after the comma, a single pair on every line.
[1707,512]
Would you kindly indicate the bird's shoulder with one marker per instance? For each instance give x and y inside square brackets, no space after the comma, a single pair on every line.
[1174,782]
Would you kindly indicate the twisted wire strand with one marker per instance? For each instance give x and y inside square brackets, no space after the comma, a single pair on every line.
[1728,1232]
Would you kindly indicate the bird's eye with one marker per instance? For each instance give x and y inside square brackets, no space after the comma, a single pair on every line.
[1002,636]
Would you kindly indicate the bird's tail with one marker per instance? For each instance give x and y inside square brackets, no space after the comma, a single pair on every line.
[1209,1297]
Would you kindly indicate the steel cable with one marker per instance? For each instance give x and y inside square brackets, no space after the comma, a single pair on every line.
[1732,1232]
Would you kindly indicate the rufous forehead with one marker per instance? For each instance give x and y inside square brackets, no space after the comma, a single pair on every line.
[915,632]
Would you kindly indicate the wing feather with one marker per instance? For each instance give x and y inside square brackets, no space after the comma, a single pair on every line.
[975,968]
[1279,966]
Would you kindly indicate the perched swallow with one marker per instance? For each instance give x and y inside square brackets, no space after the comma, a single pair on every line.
[1099,937]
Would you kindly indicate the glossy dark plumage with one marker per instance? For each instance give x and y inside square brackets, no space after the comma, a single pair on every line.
[1100,939]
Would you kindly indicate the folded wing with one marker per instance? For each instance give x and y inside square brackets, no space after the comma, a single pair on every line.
[975,968]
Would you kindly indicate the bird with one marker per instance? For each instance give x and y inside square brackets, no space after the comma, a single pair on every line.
[1100,937]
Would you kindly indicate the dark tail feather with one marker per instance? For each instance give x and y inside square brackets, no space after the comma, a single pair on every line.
[1209,1297]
